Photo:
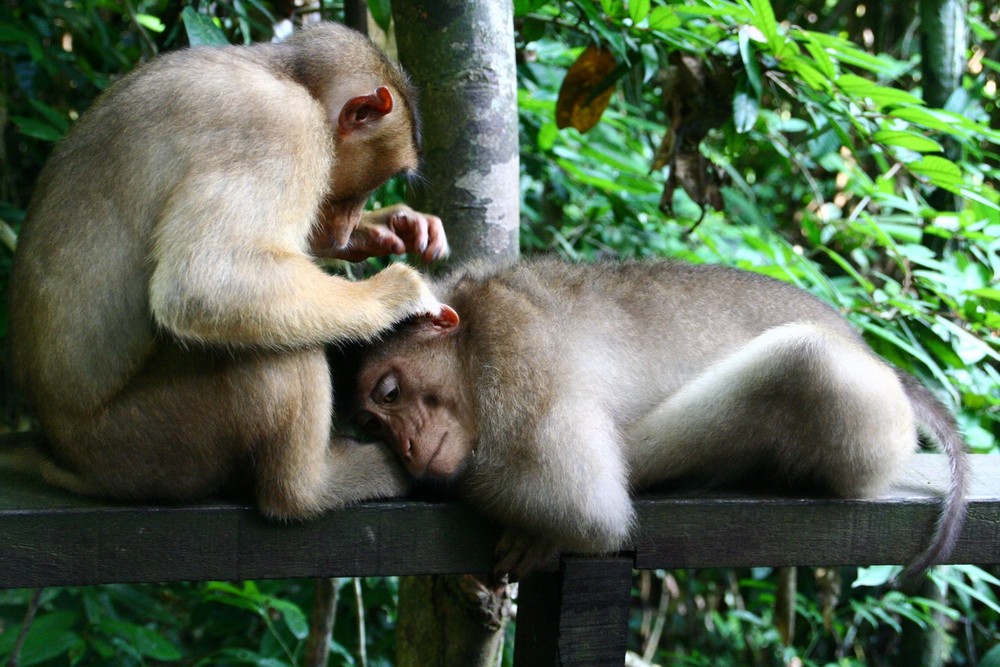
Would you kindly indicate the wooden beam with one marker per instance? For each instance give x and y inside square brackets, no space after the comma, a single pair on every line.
[48,537]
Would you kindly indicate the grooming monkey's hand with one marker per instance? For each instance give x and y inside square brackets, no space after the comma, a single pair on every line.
[396,230]
[403,290]
[520,552]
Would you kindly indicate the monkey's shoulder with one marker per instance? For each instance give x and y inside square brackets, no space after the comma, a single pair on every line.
[246,86]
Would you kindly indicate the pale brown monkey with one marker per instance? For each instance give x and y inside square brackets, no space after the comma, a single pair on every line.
[565,387]
[167,317]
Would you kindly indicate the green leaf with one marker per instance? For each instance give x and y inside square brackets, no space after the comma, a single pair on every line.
[613,8]
[986,292]
[882,96]
[766,23]
[56,118]
[295,619]
[638,10]
[909,140]
[923,117]
[811,76]
[521,7]
[748,55]
[202,30]
[940,171]
[746,108]
[382,11]
[664,19]
[50,636]
[991,658]
[847,52]
[37,129]
[820,56]
[150,22]
[877,575]
[144,641]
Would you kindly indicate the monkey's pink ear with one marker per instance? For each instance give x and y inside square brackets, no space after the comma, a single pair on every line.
[364,109]
[442,323]
[447,320]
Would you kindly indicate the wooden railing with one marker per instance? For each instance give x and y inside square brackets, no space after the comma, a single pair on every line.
[575,614]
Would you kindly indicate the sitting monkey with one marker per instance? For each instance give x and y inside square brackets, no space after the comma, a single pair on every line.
[565,387]
[168,319]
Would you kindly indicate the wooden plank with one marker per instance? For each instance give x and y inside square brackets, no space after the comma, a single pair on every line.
[576,616]
[49,537]
[731,530]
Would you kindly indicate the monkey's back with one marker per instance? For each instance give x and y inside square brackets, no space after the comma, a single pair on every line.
[80,318]
[612,328]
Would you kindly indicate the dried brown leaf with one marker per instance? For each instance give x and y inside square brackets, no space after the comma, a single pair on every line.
[581,100]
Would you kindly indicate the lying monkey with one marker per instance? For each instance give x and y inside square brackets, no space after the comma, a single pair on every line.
[565,387]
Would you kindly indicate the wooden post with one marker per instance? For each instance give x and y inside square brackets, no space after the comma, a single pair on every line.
[576,616]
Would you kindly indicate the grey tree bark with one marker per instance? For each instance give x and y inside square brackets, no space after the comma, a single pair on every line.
[461,55]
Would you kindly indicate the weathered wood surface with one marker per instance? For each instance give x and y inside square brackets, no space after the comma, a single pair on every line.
[577,615]
[48,537]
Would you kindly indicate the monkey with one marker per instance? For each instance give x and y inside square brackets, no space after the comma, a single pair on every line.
[168,316]
[564,389]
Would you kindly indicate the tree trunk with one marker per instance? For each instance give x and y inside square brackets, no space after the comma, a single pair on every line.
[944,39]
[461,55]
[450,620]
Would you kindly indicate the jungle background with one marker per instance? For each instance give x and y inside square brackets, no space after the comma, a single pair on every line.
[848,147]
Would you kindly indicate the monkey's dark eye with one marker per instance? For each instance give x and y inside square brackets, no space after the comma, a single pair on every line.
[386,391]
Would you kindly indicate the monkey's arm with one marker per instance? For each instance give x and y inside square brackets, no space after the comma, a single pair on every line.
[230,267]
[566,488]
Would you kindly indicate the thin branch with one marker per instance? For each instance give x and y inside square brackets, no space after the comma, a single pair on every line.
[362,642]
[29,616]
[321,622]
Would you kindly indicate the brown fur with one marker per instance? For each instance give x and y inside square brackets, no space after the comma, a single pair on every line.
[589,382]
[167,317]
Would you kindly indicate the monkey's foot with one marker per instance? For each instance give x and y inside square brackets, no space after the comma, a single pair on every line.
[520,552]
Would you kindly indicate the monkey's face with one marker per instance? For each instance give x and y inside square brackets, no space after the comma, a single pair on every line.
[423,422]
[373,141]
[415,396]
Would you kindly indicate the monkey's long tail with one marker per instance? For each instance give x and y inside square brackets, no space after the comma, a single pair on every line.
[937,422]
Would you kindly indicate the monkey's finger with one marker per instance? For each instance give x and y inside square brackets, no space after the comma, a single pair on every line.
[411,226]
[437,241]
[515,554]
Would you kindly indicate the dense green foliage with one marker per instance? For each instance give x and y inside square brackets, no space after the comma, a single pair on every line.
[797,144]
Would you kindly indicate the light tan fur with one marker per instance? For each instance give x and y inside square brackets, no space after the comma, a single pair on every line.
[167,317]
[589,382]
